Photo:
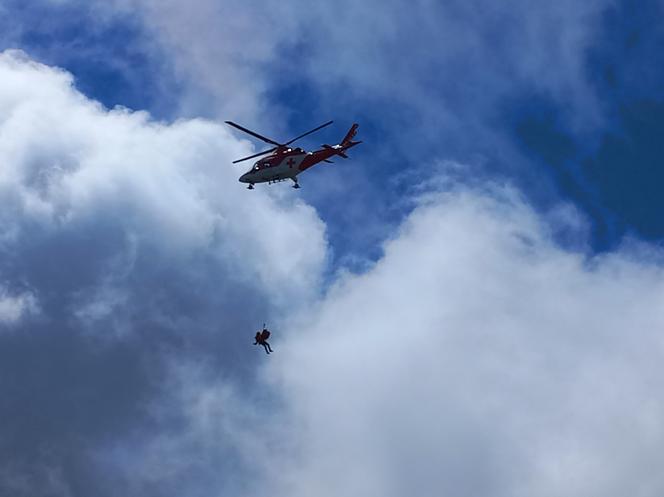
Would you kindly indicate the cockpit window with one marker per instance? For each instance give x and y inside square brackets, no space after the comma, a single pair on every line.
[261,165]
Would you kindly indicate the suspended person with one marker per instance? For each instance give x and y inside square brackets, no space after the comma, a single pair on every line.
[261,339]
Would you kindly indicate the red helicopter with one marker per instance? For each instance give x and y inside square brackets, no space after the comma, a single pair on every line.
[285,162]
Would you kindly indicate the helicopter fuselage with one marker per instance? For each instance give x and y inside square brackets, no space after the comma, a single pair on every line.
[289,163]
[277,167]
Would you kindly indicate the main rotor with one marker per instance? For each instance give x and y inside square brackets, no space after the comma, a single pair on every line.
[277,145]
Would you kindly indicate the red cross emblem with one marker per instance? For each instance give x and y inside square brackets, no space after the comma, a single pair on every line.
[290,162]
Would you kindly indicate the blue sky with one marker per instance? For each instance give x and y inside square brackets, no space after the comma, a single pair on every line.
[489,258]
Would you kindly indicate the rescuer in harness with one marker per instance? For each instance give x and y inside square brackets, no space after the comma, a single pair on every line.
[261,339]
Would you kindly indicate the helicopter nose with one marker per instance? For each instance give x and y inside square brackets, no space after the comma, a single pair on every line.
[243,178]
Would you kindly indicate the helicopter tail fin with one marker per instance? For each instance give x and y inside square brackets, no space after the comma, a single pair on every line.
[348,139]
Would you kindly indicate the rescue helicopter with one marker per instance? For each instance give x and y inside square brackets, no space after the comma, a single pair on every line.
[284,162]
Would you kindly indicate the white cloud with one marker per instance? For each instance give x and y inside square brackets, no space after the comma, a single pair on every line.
[450,63]
[121,191]
[219,50]
[14,306]
[211,438]
[477,358]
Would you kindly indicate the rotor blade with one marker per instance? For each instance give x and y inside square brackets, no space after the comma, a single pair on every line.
[309,132]
[248,131]
[255,155]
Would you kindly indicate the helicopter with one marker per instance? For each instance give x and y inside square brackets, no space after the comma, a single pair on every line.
[284,162]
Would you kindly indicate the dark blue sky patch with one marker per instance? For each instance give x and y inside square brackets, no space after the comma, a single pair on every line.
[628,170]
[615,176]
[625,62]
[111,58]
[611,173]
[538,127]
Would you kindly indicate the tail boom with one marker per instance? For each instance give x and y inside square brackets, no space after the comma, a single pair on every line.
[328,151]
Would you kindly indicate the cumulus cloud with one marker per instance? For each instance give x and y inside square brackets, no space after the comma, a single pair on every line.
[71,166]
[464,56]
[477,357]
[130,239]
[218,50]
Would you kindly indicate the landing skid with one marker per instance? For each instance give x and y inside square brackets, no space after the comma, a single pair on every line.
[295,185]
